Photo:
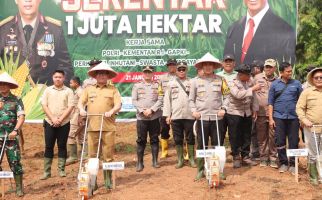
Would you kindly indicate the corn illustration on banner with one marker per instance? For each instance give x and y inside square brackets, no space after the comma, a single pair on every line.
[130,34]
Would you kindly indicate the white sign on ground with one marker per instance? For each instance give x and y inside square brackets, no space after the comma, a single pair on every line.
[113,166]
[205,153]
[6,174]
[297,152]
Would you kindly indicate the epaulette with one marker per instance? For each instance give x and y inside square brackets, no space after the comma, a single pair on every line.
[53,21]
[6,20]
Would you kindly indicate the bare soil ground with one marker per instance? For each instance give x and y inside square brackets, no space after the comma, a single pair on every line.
[166,183]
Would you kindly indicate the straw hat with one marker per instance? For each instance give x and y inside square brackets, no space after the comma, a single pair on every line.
[208,58]
[102,67]
[310,75]
[6,78]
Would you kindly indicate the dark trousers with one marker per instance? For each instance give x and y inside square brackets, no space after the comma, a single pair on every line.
[254,142]
[239,131]
[144,127]
[56,133]
[165,128]
[183,128]
[210,130]
[286,128]
[224,129]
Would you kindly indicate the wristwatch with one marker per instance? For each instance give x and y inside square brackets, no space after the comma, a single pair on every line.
[16,130]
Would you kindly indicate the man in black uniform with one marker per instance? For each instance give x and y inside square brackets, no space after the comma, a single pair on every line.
[39,40]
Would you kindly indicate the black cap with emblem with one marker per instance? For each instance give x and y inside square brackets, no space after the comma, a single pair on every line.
[94,62]
[243,68]
[172,61]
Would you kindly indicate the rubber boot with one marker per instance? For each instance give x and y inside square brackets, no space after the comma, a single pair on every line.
[155,152]
[186,152]
[191,152]
[61,167]
[179,149]
[140,154]
[19,187]
[164,148]
[313,174]
[200,169]
[108,179]
[47,168]
[72,148]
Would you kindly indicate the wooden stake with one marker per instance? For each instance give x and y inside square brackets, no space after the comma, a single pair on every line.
[296,169]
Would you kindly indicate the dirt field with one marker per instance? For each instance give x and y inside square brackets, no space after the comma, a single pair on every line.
[166,183]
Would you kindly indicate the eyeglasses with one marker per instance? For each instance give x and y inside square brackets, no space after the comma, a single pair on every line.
[181,70]
[318,78]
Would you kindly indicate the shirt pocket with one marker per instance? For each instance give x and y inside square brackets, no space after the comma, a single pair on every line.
[92,97]
[201,94]
[174,93]
[141,93]
[312,102]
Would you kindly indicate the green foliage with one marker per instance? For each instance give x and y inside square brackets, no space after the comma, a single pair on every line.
[309,46]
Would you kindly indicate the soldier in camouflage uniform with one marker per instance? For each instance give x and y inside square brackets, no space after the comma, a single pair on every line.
[12,116]
[163,86]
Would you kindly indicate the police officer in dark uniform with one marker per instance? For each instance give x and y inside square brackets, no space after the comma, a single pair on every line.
[39,40]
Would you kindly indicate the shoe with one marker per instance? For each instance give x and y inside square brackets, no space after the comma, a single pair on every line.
[236,162]
[19,187]
[255,157]
[140,154]
[108,179]
[61,167]
[200,169]
[248,161]
[292,170]
[164,148]
[47,168]
[263,163]
[313,174]
[191,153]
[273,164]
[283,168]
[179,149]
[155,152]
[72,154]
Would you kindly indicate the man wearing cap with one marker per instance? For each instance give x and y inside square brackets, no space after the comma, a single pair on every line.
[177,112]
[228,74]
[265,134]
[282,98]
[146,99]
[242,106]
[205,98]
[57,103]
[90,80]
[163,86]
[309,111]
[12,117]
[101,98]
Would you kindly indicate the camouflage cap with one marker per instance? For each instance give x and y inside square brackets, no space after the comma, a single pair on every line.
[270,62]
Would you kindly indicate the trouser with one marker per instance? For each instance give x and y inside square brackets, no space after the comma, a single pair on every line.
[210,130]
[12,151]
[56,133]
[107,144]
[181,128]
[239,134]
[224,130]
[144,127]
[76,134]
[266,139]
[286,128]
[254,147]
[165,128]
[310,144]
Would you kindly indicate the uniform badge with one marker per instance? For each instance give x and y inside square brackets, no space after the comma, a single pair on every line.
[11,42]
[46,46]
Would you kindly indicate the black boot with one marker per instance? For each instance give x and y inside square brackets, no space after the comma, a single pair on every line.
[140,154]
[155,152]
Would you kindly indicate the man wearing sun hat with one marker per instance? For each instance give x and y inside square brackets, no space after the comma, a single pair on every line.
[147,101]
[12,117]
[242,106]
[205,98]
[177,112]
[309,112]
[101,98]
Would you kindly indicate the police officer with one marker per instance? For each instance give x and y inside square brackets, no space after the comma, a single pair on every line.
[39,40]
[101,98]
[241,107]
[177,112]
[12,116]
[205,98]
[147,102]
[163,86]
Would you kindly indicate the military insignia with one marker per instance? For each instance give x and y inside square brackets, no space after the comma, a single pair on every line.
[46,45]
[11,42]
